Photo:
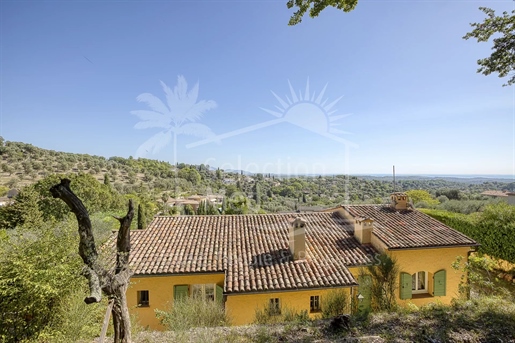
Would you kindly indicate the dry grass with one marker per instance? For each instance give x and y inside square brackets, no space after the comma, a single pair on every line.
[489,319]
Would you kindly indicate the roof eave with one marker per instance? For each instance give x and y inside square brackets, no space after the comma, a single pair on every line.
[135,275]
[297,289]
[435,247]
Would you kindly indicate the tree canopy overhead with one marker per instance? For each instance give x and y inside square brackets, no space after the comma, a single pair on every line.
[317,6]
[502,59]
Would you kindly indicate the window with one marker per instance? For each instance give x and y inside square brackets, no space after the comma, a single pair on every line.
[206,292]
[419,282]
[274,307]
[314,303]
[181,292]
[143,299]
[209,292]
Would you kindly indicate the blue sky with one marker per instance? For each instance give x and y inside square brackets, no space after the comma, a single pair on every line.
[71,73]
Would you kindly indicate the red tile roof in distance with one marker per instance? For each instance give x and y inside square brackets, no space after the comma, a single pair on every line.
[408,228]
[252,250]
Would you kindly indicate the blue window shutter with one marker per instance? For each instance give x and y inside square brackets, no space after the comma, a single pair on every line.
[439,283]
[405,286]
[180,292]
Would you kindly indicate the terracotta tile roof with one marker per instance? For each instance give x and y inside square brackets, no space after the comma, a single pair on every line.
[408,229]
[252,250]
[495,193]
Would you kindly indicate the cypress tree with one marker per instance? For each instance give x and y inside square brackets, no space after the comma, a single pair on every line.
[257,193]
[141,218]
[188,210]
[224,205]
[107,181]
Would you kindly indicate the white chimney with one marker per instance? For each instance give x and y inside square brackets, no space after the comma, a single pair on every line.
[297,235]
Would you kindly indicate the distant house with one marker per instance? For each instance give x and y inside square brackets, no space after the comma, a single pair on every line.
[183,202]
[495,194]
[249,262]
[195,200]
[310,208]
[509,197]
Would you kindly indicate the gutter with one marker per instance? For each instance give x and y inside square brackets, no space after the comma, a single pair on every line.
[176,274]
[437,247]
[353,284]
[290,290]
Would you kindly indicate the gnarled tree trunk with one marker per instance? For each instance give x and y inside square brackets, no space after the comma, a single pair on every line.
[113,284]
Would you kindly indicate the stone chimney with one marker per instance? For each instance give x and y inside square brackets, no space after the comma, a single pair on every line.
[399,201]
[297,235]
[363,229]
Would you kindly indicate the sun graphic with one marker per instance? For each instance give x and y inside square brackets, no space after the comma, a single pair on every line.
[309,111]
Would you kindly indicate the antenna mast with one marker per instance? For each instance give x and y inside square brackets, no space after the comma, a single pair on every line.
[394,185]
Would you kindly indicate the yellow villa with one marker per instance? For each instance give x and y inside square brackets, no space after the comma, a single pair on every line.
[248,262]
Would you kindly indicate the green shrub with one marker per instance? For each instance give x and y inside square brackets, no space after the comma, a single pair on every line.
[384,283]
[294,316]
[479,278]
[74,320]
[334,303]
[192,312]
[39,267]
[287,315]
[493,228]
[464,206]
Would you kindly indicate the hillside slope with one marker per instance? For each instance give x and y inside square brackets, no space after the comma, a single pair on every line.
[22,164]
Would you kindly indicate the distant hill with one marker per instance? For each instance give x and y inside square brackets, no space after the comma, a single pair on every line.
[22,164]
[468,179]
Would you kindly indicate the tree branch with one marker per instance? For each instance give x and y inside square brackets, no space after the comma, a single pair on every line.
[87,248]
[123,241]
[101,279]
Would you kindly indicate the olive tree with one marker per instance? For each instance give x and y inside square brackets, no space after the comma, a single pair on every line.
[316,6]
[502,59]
[113,283]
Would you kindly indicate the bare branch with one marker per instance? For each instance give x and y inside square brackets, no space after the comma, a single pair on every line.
[100,279]
[87,248]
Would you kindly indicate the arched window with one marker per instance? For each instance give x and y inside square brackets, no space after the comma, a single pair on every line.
[419,282]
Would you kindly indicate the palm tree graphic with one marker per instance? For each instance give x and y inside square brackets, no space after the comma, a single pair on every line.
[176,117]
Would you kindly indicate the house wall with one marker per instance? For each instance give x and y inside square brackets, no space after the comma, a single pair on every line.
[378,244]
[241,308]
[431,261]
[161,293]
